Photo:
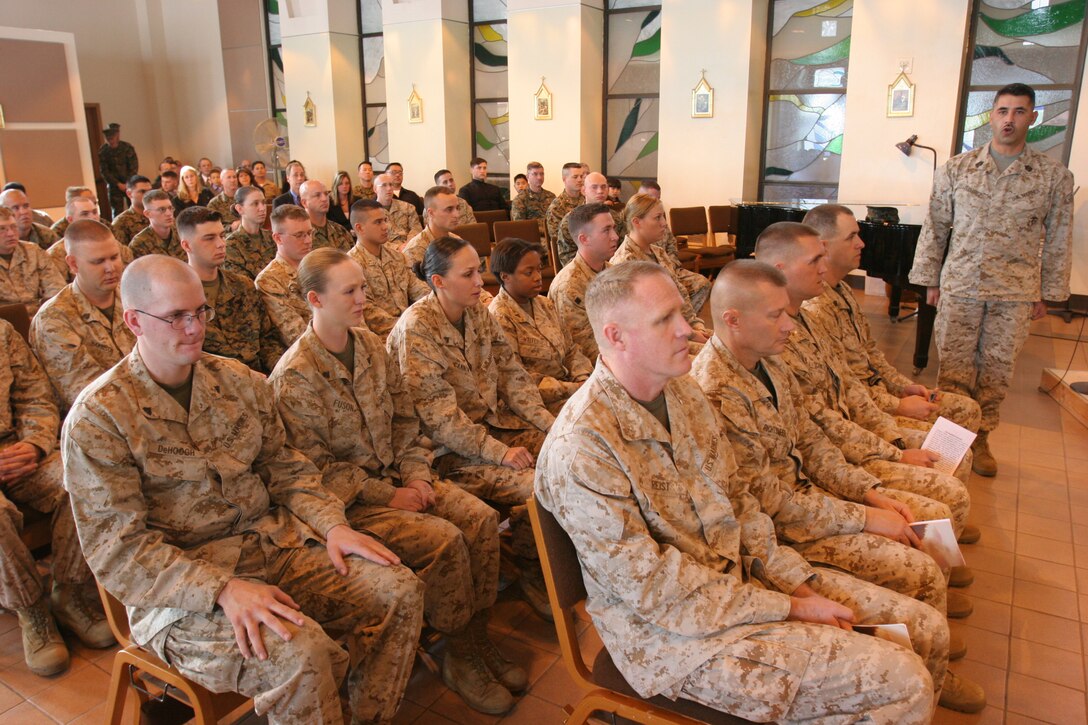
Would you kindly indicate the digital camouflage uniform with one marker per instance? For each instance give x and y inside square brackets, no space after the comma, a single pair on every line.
[332,235]
[58,253]
[247,253]
[838,403]
[391,287]
[1010,246]
[287,308]
[557,211]
[840,315]
[117,166]
[416,248]
[28,414]
[360,193]
[465,215]
[172,504]
[362,433]
[225,206]
[76,342]
[787,463]
[531,204]
[629,251]
[475,401]
[128,224]
[543,346]
[241,328]
[687,586]
[403,222]
[565,245]
[149,242]
[60,227]
[568,291]
[41,235]
[29,277]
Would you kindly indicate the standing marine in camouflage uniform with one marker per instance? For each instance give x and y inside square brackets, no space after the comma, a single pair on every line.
[315,200]
[852,340]
[596,191]
[196,515]
[686,584]
[531,323]
[239,326]
[117,162]
[80,333]
[403,219]
[574,176]
[132,221]
[474,399]
[249,248]
[278,282]
[1009,210]
[27,274]
[533,202]
[31,475]
[161,236]
[349,412]
[595,235]
[440,205]
[391,286]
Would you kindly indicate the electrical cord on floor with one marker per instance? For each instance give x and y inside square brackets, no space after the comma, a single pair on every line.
[1072,355]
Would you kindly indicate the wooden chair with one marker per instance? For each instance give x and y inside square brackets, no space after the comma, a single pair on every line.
[149,678]
[723,220]
[490,218]
[604,688]
[479,237]
[690,222]
[528,230]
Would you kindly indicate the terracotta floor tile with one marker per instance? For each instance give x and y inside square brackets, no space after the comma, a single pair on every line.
[981,557]
[535,660]
[1045,700]
[408,713]
[1043,458]
[450,705]
[981,496]
[25,714]
[991,616]
[992,679]
[1029,472]
[1083,607]
[1050,573]
[1047,663]
[995,538]
[987,585]
[1041,509]
[1079,514]
[424,686]
[532,709]
[1015,718]
[1046,549]
[983,646]
[1053,527]
[556,686]
[989,716]
[1041,598]
[990,516]
[1043,491]
[8,622]
[1045,629]
[9,698]
[11,647]
[1082,579]
[537,631]
[433,718]
[74,694]
[1080,534]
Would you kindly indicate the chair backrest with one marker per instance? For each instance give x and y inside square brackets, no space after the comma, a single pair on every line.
[478,236]
[18,317]
[563,577]
[687,220]
[723,219]
[491,217]
[526,229]
[117,616]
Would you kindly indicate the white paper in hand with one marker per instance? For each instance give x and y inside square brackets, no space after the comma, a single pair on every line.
[891,632]
[950,441]
[939,541]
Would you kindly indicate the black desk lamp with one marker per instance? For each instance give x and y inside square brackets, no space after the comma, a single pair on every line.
[906,146]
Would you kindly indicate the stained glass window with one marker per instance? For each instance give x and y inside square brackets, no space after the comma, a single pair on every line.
[275,59]
[806,99]
[1037,42]
[372,58]
[632,86]
[490,89]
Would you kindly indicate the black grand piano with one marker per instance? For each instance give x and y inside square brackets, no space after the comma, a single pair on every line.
[888,255]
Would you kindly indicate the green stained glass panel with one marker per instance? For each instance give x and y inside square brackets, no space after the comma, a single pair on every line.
[1049,134]
[277,78]
[490,60]
[493,135]
[272,10]
[634,52]
[632,137]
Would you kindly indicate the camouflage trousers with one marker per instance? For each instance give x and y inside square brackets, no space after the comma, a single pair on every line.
[118,201]
[794,672]
[978,343]
[695,286]
[453,548]
[43,491]
[959,409]
[379,608]
[883,562]
[929,493]
[916,436]
[500,484]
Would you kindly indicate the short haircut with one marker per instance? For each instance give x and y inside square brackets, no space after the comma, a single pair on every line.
[440,173]
[364,163]
[291,165]
[361,207]
[521,176]
[614,183]
[614,286]
[650,184]
[6,213]
[779,241]
[144,274]
[189,219]
[570,166]
[157,195]
[69,206]
[82,231]
[169,174]
[1017,89]
[313,270]
[825,218]
[137,179]
[581,216]
[243,193]
[735,287]
[476,161]
[507,255]
[288,211]
[533,165]
[74,192]
[638,206]
[18,186]
[433,193]
[391,164]
[439,258]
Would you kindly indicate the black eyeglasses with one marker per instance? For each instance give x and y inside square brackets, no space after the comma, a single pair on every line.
[183,319]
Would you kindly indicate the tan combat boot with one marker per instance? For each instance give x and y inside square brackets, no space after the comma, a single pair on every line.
[81,615]
[983,463]
[43,647]
[960,576]
[533,589]
[957,647]
[464,672]
[959,606]
[961,694]
[512,677]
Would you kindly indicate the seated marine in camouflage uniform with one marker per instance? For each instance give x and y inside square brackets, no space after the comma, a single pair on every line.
[219,538]
[465,215]
[29,230]
[441,209]
[27,273]
[574,175]
[160,236]
[596,191]
[403,219]
[327,233]
[250,247]
[686,584]
[533,202]
[223,202]
[132,221]
[346,408]
[278,282]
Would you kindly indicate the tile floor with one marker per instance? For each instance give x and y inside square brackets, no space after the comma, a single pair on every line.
[1027,639]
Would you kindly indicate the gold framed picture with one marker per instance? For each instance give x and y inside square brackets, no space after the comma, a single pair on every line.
[415,107]
[901,97]
[702,99]
[542,103]
[309,111]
